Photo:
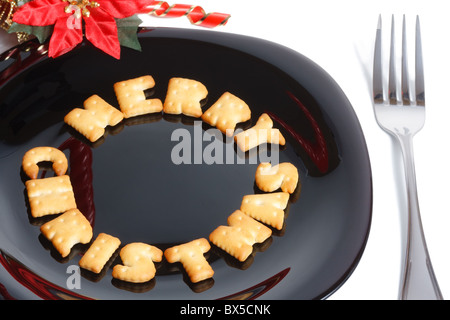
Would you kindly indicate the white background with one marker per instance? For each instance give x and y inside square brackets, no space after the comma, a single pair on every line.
[339,36]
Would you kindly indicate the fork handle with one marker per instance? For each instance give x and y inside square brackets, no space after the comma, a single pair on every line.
[418,279]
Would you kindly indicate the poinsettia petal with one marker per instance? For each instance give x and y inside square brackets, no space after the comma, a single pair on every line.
[101,31]
[123,8]
[65,37]
[40,12]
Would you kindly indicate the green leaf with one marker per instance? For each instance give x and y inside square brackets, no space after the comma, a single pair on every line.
[127,32]
[41,33]
[22,2]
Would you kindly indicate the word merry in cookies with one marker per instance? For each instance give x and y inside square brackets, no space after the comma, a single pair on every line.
[184,96]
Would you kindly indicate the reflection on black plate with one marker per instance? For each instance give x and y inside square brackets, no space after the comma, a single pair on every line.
[128,186]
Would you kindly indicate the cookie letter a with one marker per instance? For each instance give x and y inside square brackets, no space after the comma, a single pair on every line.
[238,238]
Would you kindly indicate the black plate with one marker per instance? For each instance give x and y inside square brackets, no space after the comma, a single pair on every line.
[128,186]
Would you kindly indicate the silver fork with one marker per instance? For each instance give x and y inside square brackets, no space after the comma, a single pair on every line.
[402,114]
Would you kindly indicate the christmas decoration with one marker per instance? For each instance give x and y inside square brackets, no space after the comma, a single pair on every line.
[107,24]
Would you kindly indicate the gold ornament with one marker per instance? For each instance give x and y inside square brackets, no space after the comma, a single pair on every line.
[7,9]
[81,7]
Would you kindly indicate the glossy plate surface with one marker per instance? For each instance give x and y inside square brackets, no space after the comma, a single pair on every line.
[128,185]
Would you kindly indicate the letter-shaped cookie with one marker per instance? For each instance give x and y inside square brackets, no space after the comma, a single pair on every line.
[226,112]
[94,118]
[269,178]
[33,156]
[267,208]
[50,195]
[100,251]
[184,97]
[131,97]
[138,266]
[261,132]
[67,230]
[191,257]
[238,238]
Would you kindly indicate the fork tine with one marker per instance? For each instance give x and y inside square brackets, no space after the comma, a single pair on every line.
[377,84]
[405,74]
[420,82]
[393,98]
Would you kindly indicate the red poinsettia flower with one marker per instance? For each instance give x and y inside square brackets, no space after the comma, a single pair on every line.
[67,17]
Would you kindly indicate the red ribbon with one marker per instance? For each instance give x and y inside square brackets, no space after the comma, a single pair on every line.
[99,20]
[195,14]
